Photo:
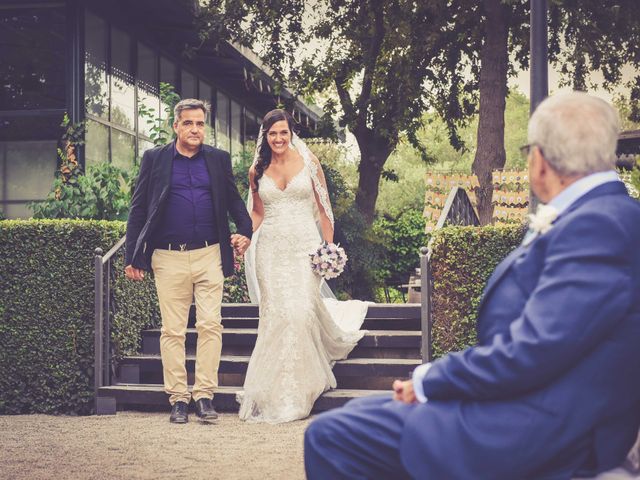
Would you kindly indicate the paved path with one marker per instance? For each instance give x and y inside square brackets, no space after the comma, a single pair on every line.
[134,445]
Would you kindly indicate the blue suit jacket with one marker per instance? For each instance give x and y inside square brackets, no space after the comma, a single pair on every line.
[553,387]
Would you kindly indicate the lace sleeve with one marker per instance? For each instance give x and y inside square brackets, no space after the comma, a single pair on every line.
[317,175]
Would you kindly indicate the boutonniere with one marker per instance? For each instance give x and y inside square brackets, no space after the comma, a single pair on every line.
[540,222]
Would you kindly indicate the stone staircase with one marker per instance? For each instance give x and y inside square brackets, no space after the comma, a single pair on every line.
[390,350]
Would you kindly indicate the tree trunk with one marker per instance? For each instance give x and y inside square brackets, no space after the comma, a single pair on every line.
[494,57]
[374,152]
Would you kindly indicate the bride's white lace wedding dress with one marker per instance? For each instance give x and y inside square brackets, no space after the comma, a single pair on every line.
[300,334]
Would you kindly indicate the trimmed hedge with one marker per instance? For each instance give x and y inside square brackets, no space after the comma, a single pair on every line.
[462,261]
[47,313]
[47,304]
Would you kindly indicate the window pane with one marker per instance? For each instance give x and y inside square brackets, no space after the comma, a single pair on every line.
[28,159]
[205,92]
[17,210]
[222,121]
[143,146]
[122,89]
[251,127]
[96,88]
[148,95]
[123,151]
[30,127]
[32,49]
[236,128]
[188,85]
[96,147]
[30,168]
[168,74]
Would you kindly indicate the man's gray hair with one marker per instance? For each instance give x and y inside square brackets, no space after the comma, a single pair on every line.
[189,104]
[576,132]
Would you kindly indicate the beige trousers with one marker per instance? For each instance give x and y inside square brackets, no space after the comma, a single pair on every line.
[180,278]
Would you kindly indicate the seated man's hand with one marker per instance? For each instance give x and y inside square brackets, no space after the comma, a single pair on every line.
[403,391]
[133,273]
[240,243]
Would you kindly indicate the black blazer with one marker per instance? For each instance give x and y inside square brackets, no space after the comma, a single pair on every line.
[151,192]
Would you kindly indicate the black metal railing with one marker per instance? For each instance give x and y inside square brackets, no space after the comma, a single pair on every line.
[104,306]
[457,210]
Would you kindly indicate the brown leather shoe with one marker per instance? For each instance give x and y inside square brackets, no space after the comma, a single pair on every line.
[205,410]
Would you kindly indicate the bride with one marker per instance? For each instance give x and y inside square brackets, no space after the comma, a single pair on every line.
[302,329]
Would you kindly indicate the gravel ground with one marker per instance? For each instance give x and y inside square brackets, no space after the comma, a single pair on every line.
[134,445]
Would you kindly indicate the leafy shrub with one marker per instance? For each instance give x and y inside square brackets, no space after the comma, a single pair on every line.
[160,129]
[235,286]
[632,179]
[402,239]
[47,312]
[101,194]
[462,260]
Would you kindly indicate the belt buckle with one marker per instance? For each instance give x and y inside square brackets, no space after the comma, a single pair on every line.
[183,247]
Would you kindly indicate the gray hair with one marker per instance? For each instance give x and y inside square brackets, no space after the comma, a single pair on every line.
[576,132]
[189,104]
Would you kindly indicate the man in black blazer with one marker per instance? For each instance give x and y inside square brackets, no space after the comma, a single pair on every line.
[178,227]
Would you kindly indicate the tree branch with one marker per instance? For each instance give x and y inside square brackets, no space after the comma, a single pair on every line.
[371,60]
[345,98]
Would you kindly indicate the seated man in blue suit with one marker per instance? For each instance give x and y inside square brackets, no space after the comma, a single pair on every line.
[552,390]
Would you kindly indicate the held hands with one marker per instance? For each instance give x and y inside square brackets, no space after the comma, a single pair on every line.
[240,243]
[403,391]
[133,273]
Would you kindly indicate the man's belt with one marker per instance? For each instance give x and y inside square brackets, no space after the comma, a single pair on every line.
[183,247]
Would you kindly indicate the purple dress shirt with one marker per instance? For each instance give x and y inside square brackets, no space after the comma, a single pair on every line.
[189,214]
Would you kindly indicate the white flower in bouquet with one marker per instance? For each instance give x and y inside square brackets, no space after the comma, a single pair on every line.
[328,260]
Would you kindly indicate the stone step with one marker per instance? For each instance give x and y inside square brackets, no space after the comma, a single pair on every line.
[378,310]
[240,341]
[366,373]
[130,396]
[374,323]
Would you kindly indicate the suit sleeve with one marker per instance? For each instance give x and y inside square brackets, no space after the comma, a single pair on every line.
[584,290]
[237,207]
[139,204]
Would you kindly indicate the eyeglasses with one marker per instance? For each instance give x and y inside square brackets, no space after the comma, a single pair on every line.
[526,149]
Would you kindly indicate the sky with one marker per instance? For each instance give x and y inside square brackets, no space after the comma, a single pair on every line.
[522,83]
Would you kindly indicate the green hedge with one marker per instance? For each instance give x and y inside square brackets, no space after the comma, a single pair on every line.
[47,317]
[462,260]
[47,313]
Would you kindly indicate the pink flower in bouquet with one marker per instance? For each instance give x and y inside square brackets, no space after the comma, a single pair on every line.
[328,261]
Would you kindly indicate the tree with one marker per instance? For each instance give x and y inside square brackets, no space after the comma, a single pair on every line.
[389,61]
[494,56]
[585,36]
[386,60]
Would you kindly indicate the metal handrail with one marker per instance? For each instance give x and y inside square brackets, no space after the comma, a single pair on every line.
[102,305]
[458,210]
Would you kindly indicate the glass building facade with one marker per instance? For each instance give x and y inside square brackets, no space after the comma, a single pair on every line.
[71,57]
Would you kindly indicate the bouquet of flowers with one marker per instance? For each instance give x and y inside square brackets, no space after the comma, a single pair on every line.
[328,260]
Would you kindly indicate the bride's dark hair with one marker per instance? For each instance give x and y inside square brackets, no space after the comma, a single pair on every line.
[264,150]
